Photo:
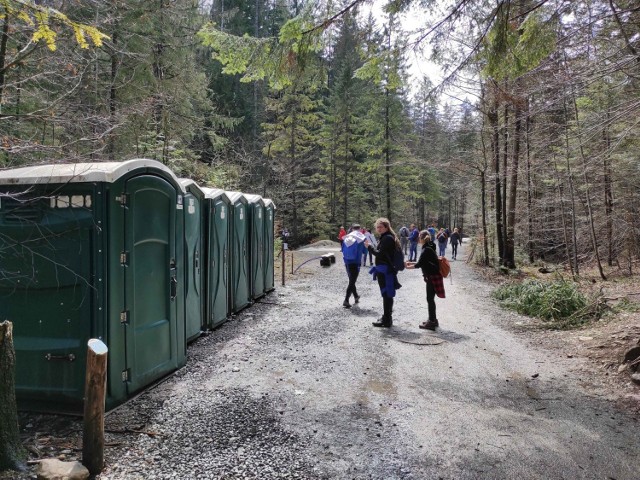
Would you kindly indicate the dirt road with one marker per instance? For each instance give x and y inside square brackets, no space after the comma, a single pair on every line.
[299,387]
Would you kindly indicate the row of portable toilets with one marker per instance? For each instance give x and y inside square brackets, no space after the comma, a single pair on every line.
[128,253]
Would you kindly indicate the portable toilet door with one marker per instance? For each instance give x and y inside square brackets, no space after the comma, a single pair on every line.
[238,240]
[256,244]
[217,256]
[269,244]
[194,255]
[152,316]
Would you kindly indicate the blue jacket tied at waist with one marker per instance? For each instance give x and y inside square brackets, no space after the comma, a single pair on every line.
[391,283]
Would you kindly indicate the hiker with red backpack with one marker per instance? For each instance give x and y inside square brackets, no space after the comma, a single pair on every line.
[429,263]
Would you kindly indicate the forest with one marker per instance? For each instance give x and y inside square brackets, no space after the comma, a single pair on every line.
[523,132]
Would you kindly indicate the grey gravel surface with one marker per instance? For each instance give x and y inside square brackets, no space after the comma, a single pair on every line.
[299,387]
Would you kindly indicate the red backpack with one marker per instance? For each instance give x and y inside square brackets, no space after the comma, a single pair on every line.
[445,267]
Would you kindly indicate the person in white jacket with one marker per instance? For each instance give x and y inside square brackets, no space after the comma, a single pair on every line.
[372,240]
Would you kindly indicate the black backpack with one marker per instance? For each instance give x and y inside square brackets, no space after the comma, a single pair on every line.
[398,260]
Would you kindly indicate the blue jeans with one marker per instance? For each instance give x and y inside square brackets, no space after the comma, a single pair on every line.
[413,252]
[442,247]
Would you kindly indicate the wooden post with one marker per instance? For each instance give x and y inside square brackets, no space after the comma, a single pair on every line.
[94,399]
[10,447]
[284,253]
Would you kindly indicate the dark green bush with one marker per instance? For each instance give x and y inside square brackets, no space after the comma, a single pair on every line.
[548,301]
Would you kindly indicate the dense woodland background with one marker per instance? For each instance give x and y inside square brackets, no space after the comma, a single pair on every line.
[530,143]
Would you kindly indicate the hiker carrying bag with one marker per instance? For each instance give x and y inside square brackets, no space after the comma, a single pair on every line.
[445,267]
[398,260]
[351,253]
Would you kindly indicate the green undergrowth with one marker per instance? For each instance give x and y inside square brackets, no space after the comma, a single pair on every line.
[560,304]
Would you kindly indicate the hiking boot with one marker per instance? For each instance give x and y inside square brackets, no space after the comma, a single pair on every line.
[429,325]
[384,322]
[356,298]
[346,304]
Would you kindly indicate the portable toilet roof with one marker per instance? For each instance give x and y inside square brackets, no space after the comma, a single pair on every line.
[214,193]
[62,173]
[268,202]
[190,185]
[235,196]
[253,198]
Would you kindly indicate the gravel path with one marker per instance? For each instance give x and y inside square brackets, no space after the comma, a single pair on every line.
[299,387]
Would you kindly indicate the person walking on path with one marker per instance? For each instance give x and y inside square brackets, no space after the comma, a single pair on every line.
[432,232]
[442,242]
[430,266]
[372,241]
[341,234]
[413,243]
[352,251]
[454,240]
[404,239]
[383,270]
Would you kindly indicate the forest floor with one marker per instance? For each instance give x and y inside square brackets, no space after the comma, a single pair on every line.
[298,387]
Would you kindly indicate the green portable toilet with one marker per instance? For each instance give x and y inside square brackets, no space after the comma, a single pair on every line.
[217,256]
[194,251]
[91,250]
[269,244]
[238,244]
[255,207]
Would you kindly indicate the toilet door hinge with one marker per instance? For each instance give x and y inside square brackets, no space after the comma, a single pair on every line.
[124,259]
[124,317]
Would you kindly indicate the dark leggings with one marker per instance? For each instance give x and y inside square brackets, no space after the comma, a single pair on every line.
[353,270]
[431,295]
[387,302]
[454,249]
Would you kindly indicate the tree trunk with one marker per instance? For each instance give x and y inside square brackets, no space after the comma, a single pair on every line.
[113,94]
[509,257]
[3,55]
[387,161]
[503,174]
[529,190]
[346,172]
[293,154]
[10,447]
[492,115]
[333,181]
[485,243]
[608,194]
[587,191]
[574,228]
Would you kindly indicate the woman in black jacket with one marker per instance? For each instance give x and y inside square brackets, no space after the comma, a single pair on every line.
[383,270]
[454,239]
[430,266]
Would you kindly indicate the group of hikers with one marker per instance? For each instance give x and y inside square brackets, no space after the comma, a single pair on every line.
[409,237]
[390,250]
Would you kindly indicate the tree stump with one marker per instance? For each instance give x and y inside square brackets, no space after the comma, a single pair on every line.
[11,452]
